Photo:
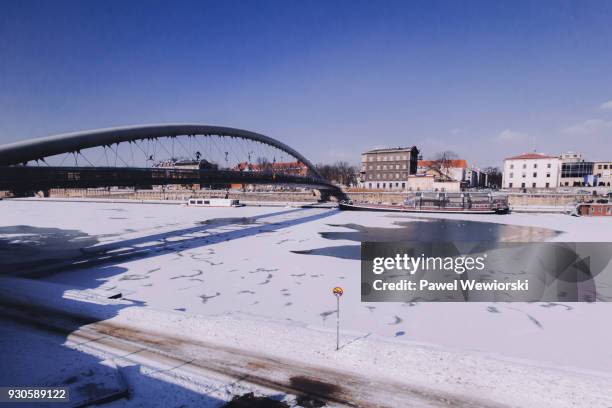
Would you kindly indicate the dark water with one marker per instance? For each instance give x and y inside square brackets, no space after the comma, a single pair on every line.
[24,246]
[429,230]
[229,220]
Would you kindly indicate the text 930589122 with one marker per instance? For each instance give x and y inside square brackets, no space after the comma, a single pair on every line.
[34,394]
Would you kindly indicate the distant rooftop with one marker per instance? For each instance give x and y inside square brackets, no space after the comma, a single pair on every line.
[458,163]
[391,149]
[528,156]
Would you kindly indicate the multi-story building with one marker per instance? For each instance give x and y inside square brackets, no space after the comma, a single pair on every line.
[603,172]
[531,170]
[473,177]
[576,174]
[389,168]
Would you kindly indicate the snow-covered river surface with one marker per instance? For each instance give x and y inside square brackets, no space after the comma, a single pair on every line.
[280,263]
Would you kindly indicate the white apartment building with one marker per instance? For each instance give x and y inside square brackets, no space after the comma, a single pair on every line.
[531,170]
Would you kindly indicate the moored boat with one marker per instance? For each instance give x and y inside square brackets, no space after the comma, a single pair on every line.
[449,203]
[593,209]
[213,202]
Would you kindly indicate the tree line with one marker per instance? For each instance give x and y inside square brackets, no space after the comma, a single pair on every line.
[340,172]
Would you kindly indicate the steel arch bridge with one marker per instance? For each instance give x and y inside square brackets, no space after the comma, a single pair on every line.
[147,155]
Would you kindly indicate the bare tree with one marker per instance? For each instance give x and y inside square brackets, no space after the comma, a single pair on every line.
[263,164]
[442,163]
[494,177]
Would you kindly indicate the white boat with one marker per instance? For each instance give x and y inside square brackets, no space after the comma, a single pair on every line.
[214,202]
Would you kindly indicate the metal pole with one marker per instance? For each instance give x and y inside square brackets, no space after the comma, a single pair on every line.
[337,323]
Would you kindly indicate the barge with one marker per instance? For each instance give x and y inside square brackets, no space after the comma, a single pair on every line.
[434,202]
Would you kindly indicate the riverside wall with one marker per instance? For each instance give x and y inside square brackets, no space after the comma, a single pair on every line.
[514,199]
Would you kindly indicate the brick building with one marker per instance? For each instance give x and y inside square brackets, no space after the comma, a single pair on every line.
[389,168]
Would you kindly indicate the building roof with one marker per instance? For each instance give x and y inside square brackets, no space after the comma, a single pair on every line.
[528,156]
[391,149]
[459,163]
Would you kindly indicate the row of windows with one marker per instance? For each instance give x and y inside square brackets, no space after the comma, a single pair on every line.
[603,166]
[579,169]
[384,167]
[600,210]
[533,185]
[565,184]
[387,158]
[582,184]
[535,175]
[384,185]
[383,176]
[535,165]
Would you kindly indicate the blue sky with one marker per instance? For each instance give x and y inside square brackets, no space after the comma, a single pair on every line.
[332,78]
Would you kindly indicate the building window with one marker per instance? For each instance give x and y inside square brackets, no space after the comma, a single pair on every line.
[524,175]
[548,175]
[370,185]
[522,185]
[403,185]
[547,185]
[384,185]
[510,185]
[377,185]
[524,166]
[535,165]
[577,169]
[548,165]
[511,175]
[533,185]
[512,166]
[535,175]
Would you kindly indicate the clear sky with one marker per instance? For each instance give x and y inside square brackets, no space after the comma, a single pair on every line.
[487,79]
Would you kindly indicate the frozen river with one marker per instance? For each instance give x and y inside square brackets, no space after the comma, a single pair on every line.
[281,263]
